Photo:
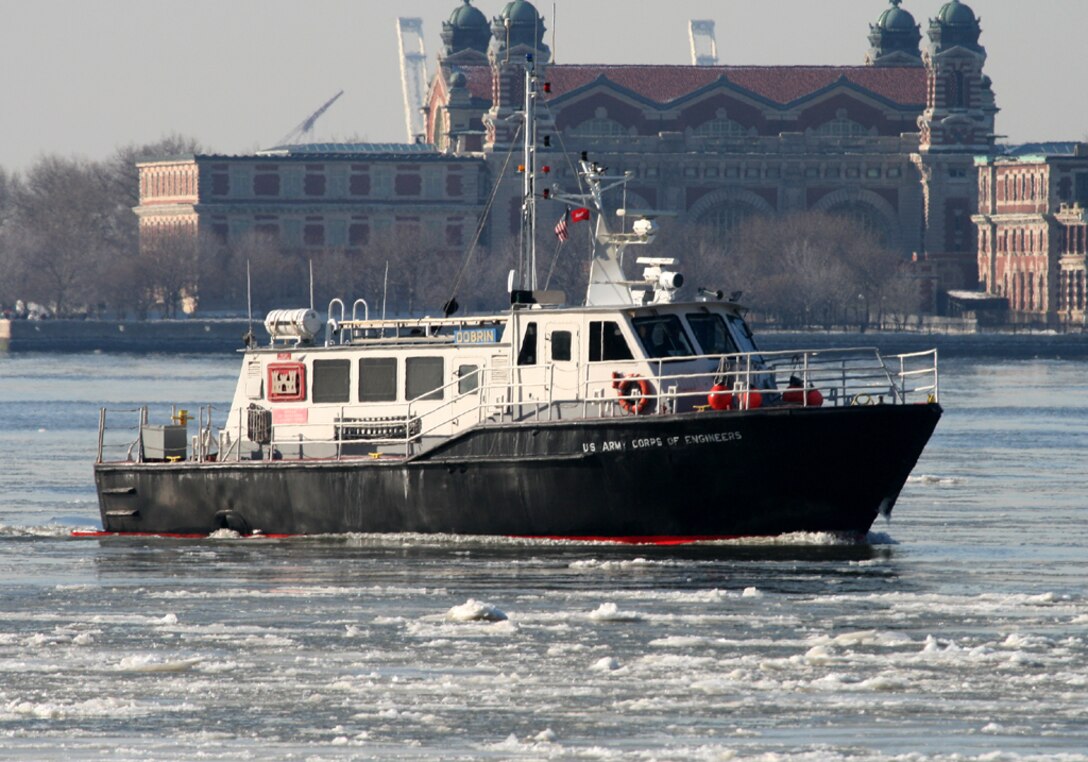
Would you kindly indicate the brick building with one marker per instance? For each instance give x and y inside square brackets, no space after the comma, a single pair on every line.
[890,143]
[1033,234]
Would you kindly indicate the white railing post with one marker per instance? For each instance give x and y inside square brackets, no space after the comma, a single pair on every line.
[101,432]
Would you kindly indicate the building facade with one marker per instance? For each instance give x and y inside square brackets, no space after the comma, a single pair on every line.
[890,143]
[1033,234]
[316,196]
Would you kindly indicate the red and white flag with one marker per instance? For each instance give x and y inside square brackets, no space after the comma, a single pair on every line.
[561,228]
[579,214]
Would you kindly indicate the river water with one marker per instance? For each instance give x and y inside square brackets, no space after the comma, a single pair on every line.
[958,631]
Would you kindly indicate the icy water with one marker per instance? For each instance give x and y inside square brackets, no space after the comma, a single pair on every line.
[959,631]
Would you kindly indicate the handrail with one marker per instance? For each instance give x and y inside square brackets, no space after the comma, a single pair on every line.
[845,376]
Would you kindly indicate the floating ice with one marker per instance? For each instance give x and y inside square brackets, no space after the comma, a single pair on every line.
[931,480]
[610,612]
[605,664]
[752,592]
[592,564]
[144,663]
[473,610]
[547,735]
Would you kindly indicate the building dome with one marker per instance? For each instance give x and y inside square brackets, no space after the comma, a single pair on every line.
[895,38]
[956,13]
[466,16]
[895,19]
[467,29]
[955,26]
[520,24]
[520,12]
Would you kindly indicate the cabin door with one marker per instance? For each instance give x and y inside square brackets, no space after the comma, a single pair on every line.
[470,375]
[561,355]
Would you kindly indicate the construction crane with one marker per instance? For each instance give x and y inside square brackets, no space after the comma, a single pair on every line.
[704,48]
[306,127]
[413,75]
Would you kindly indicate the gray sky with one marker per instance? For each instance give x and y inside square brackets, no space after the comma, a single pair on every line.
[82,77]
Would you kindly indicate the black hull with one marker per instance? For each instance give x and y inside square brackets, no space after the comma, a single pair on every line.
[729,474]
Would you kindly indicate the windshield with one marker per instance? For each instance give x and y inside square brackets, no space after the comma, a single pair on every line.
[711,333]
[743,334]
[663,336]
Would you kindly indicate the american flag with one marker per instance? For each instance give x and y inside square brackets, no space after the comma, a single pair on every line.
[561,228]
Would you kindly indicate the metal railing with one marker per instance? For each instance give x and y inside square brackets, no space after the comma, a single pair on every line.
[547,392]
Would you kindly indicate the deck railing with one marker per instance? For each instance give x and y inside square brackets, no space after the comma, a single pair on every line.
[547,392]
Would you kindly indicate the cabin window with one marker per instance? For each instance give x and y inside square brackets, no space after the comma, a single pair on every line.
[711,333]
[561,346]
[378,379]
[527,355]
[423,378]
[663,336]
[468,378]
[743,334]
[606,342]
[331,381]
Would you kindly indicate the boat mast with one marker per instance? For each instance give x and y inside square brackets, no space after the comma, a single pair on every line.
[528,206]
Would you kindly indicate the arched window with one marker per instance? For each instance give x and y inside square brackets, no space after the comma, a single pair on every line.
[841,128]
[600,126]
[720,128]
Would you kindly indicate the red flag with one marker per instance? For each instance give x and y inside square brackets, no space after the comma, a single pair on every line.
[561,228]
[578,214]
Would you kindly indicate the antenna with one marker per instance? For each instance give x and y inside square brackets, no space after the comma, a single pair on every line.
[249,337]
[528,212]
[704,48]
[385,294]
[311,283]
[554,24]
[305,128]
[413,75]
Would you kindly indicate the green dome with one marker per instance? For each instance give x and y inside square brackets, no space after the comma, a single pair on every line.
[896,19]
[467,17]
[956,13]
[520,12]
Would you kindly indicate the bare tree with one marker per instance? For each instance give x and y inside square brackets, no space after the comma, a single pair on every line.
[808,268]
[64,215]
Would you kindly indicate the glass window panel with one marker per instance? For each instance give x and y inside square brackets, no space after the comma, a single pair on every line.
[606,342]
[663,336]
[423,378]
[331,381]
[468,378]
[711,333]
[561,346]
[378,379]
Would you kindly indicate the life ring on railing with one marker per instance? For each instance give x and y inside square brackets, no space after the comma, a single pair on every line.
[862,399]
[634,393]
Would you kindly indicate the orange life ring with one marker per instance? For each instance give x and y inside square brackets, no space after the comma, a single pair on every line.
[634,393]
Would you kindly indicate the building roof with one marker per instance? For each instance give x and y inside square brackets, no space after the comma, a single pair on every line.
[1049,148]
[901,85]
[778,84]
[348,148]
